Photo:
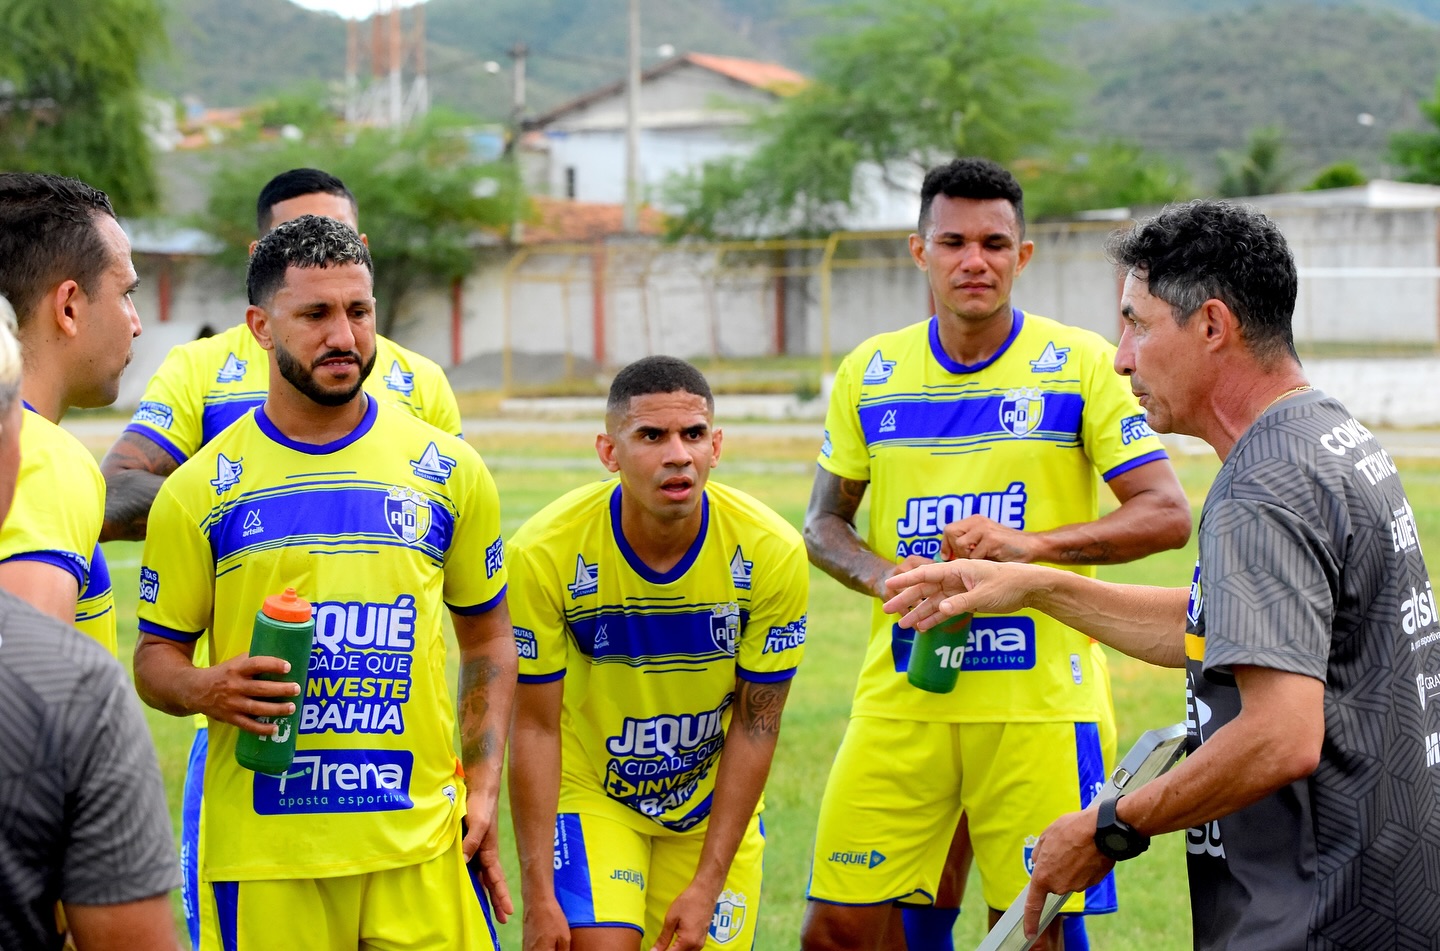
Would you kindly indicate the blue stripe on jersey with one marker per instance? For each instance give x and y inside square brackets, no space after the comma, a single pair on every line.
[67,561]
[764,676]
[1099,898]
[323,514]
[1135,463]
[99,575]
[644,570]
[674,637]
[572,871]
[160,441]
[219,415]
[169,633]
[480,608]
[919,420]
[367,423]
[941,357]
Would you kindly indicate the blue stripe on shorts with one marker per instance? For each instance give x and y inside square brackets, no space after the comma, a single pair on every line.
[484,903]
[572,872]
[227,909]
[190,834]
[1100,898]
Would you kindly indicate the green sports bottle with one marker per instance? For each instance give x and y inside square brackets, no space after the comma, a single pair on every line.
[284,628]
[937,654]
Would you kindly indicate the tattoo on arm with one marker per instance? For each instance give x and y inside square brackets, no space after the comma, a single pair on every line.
[478,742]
[833,544]
[134,469]
[759,707]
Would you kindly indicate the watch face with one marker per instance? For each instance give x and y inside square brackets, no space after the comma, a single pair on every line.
[1116,842]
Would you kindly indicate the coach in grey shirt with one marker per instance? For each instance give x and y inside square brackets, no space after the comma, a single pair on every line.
[82,809]
[1309,634]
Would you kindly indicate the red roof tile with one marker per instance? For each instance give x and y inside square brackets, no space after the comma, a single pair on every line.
[561,220]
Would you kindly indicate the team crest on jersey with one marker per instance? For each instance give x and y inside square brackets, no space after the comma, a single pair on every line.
[1052,358]
[398,380]
[1021,411]
[407,513]
[878,370]
[587,579]
[432,465]
[1197,598]
[729,918]
[233,371]
[725,626]
[1028,854]
[740,569]
[227,473]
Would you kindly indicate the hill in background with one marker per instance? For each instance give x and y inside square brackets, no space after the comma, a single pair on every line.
[1184,78]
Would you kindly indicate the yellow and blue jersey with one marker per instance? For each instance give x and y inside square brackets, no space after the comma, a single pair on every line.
[205,385]
[650,658]
[56,518]
[380,530]
[1024,438]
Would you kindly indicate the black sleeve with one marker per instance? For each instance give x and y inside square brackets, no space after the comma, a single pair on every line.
[119,846]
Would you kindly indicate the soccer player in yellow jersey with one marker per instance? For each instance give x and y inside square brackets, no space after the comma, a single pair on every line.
[204,386]
[984,433]
[659,618]
[65,266]
[382,521]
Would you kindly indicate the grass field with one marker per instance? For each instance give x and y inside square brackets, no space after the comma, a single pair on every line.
[533,470]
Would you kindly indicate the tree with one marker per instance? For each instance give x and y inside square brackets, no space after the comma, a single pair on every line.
[1259,170]
[1106,174]
[1418,151]
[898,83]
[1339,175]
[423,199]
[70,95]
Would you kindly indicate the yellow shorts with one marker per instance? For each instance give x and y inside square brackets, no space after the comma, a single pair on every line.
[434,906]
[609,875]
[897,788]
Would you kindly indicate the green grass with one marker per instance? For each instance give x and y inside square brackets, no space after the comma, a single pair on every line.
[533,470]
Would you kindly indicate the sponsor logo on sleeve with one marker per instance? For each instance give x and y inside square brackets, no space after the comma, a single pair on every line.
[827,448]
[233,370]
[740,570]
[1402,529]
[878,370]
[1133,428]
[407,514]
[494,557]
[399,381]
[525,644]
[227,474]
[432,465]
[1432,749]
[785,638]
[1021,411]
[337,781]
[149,585]
[1052,358]
[728,920]
[154,413]
[587,579]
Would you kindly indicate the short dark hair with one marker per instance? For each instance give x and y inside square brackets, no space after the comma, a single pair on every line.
[1206,249]
[293,184]
[656,375]
[307,241]
[977,178]
[48,235]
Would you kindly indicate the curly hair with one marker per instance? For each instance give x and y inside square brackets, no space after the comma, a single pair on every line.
[1207,249]
[307,241]
[977,178]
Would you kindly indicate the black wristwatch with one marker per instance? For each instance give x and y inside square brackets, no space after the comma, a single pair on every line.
[1115,838]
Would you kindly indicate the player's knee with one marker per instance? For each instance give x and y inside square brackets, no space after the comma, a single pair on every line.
[829,928]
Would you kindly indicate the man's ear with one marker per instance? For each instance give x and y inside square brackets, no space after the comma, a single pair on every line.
[717,436]
[258,320]
[364,240]
[1216,324]
[63,307]
[1027,248]
[917,252]
[605,449]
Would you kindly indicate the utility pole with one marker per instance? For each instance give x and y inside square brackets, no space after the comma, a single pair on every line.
[632,125]
[518,52]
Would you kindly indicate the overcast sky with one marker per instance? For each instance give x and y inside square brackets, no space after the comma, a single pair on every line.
[351,8]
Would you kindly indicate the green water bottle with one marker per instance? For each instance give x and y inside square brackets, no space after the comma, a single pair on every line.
[937,654]
[284,628]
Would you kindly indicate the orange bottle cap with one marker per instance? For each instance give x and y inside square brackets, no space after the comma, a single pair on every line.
[287,607]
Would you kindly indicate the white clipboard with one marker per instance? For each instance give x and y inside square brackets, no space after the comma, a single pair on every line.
[1154,753]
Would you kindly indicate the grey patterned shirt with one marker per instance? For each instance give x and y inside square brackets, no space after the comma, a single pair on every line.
[1310,563]
[82,808]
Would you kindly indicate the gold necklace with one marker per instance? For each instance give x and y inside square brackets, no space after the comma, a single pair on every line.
[1302,388]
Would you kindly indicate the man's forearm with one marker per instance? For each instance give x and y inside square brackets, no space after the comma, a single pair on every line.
[162,677]
[1142,621]
[1154,515]
[534,800]
[129,493]
[486,693]
[837,549]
